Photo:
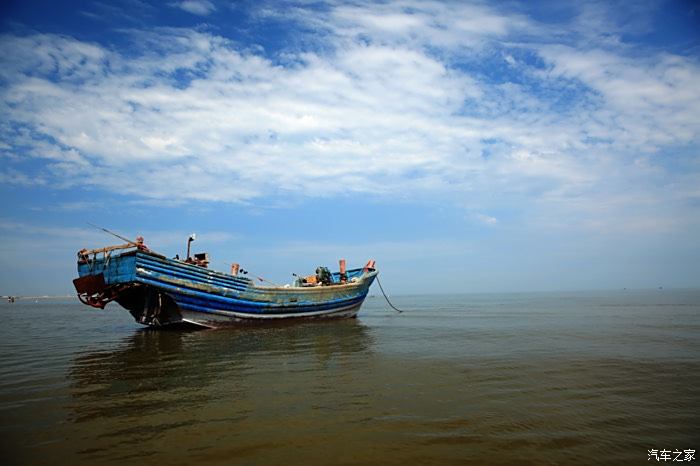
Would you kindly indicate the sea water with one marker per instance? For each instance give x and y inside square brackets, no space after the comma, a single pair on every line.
[532,378]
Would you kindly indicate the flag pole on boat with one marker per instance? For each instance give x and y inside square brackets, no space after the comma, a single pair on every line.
[112,233]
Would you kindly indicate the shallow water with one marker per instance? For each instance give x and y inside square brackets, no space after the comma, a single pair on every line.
[542,378]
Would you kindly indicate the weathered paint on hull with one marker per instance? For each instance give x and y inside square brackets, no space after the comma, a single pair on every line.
[160,291]
[218,319]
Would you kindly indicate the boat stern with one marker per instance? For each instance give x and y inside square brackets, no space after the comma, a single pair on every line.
[103,274]
[106,276]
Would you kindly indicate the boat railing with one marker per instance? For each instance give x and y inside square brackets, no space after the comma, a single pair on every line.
[106,252]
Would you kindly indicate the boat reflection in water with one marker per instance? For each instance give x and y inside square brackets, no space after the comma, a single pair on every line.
[190,389]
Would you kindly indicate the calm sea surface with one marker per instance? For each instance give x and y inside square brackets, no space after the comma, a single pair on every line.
[562,378]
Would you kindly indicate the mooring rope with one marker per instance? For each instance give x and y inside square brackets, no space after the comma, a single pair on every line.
[387,298]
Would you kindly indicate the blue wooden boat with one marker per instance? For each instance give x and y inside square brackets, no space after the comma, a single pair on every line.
[159,291]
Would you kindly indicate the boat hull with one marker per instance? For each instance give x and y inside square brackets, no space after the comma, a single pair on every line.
[158,291]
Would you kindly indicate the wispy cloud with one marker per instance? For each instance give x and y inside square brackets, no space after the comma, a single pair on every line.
[74,238]
[12,176]
[487,219]
[196,7]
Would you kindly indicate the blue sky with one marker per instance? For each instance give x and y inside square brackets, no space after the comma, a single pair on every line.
[466,146]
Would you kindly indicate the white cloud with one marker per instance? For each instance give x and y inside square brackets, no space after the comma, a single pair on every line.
[487,219]
[645,101]
[457,24]
[395,106]
[11,176]
[196,7]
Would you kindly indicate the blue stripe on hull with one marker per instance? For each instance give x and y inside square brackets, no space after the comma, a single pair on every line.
[208,305]
[222,299]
